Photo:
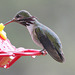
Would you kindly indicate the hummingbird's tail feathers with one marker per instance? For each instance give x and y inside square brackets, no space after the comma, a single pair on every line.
[61,56]
[57,55]
[53,52]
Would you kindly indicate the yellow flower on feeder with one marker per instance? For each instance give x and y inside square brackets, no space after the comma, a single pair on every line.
[2,32]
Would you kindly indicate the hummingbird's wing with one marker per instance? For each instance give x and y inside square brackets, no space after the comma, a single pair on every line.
[50,42]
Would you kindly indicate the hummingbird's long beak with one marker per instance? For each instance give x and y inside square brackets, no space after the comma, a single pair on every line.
[13,20]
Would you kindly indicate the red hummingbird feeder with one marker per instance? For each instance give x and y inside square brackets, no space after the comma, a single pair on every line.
[9,54]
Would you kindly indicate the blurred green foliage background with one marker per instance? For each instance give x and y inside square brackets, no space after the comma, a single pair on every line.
[59,15]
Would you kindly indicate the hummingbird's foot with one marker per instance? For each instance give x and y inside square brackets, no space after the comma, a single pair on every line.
[43,52]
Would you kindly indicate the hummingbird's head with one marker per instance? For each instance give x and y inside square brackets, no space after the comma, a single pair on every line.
[24,17]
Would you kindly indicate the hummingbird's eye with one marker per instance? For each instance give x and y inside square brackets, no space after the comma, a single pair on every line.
[18,16]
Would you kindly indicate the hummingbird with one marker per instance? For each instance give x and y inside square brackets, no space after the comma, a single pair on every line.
[42,35]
